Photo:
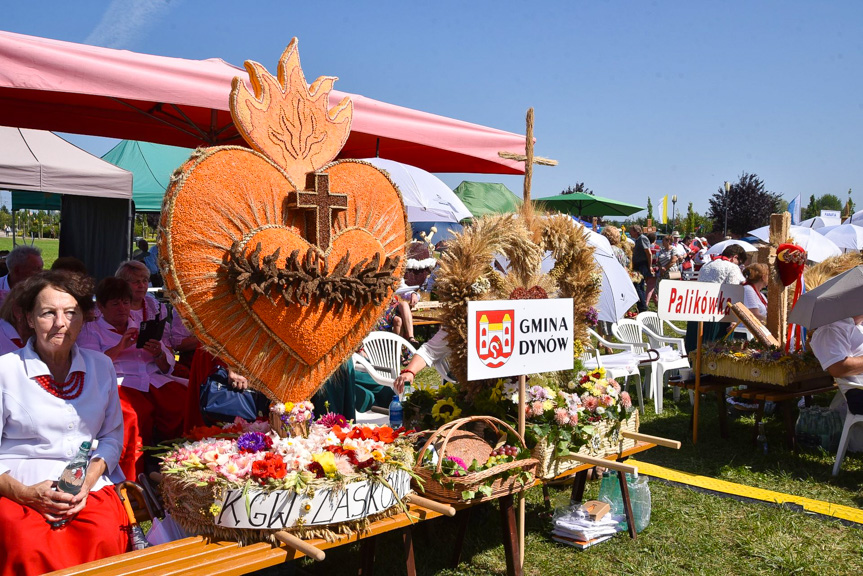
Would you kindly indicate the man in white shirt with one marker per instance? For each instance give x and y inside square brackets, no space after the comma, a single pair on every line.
[839,348]
[725,269]
[22,262]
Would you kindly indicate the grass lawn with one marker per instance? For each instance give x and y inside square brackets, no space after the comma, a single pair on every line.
[50,248]
[690,532]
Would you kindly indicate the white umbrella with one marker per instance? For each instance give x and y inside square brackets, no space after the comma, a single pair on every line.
[618,293]
[720,247]
[846,236]
[818,247]
[856,218]
[820,222]
[838,298]
[426,197]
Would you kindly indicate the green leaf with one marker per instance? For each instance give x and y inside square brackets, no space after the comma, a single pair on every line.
[485,490]
[468,494]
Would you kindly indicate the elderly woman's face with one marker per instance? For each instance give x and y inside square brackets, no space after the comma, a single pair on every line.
[56,320]
[139,281]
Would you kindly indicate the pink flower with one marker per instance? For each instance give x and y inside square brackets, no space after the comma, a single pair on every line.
[600,389]
[625,400]
[573,419]
[591,403]
[607,400]
[561,416]
[536,408]
[614,384]
[343,465]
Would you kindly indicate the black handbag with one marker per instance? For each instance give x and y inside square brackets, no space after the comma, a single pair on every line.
[221,402]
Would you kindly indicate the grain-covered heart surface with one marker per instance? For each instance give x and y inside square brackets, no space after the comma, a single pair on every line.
[278,259]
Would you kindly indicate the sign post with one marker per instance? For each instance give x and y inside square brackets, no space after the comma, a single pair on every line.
[697,302]
[514,338]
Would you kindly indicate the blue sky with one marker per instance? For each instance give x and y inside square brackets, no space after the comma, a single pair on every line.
[634,98]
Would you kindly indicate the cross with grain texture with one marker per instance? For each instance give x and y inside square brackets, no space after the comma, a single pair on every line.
[319,205]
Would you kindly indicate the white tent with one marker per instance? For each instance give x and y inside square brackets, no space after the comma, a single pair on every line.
[96,209]
[39,161]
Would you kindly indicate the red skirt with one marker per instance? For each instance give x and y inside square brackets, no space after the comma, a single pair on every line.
[28,544]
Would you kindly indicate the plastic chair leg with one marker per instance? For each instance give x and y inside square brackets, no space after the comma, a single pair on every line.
[843,443]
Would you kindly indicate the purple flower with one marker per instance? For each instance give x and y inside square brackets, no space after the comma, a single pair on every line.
[458,462]
[254,442]
[592,316]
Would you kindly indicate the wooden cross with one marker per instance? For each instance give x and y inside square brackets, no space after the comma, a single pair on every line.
[777,293]
[319,204]
[528,158]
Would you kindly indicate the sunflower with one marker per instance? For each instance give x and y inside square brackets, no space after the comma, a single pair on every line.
[447,390]
[445,410]
[496,392]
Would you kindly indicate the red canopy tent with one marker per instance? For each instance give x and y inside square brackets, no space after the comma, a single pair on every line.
[67,87]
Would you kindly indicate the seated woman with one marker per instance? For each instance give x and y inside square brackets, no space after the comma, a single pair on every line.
[398,317]
[53,397]
[143,305]
[147,384]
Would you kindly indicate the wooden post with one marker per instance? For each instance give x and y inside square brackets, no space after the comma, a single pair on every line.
[528,158]
[522,383]
[777,294]
[697,399]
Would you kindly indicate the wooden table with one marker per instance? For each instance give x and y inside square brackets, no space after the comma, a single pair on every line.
[198,556]
[760,393]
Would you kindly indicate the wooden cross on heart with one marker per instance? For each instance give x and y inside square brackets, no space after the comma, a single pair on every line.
[320,205]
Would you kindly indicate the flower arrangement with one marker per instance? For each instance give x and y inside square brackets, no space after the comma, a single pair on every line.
[331,453]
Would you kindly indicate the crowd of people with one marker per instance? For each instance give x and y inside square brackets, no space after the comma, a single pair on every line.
[73,369]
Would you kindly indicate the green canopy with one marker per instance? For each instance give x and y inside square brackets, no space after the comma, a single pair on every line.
[487,198]
[580,204]
[151,165]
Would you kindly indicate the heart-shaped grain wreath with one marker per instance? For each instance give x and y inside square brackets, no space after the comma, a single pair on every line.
[282,282]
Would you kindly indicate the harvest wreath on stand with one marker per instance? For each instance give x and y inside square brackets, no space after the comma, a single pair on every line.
[567,412]
[280,261]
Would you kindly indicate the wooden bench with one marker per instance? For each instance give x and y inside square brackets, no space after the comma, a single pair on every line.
[199,556]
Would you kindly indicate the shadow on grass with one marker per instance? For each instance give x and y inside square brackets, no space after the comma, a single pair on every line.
[737,459]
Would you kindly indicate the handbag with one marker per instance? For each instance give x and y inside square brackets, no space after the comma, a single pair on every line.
[221,402]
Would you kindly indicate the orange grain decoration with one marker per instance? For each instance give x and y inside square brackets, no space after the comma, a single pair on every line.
[230,194]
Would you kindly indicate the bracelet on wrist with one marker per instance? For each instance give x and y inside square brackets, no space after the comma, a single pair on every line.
[407,371]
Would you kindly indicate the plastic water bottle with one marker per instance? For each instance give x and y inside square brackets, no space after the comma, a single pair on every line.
[396,413]
[72,478]
[762,438]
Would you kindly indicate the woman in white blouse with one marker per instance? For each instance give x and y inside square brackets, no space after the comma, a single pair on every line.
[756,281]
[148,386]
[53,397]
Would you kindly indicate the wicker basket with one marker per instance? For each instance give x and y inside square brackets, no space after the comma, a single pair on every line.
[606,439]
[451,440]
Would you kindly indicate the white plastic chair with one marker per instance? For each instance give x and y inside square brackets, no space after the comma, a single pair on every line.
[615,369]
[850,421]
[669,360]
[383,356]
[662,327]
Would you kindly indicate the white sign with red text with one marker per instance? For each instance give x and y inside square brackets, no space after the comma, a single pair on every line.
[515,337]
[697,301]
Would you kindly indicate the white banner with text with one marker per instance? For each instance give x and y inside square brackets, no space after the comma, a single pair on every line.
[514,337]
[263,510]
[697,301]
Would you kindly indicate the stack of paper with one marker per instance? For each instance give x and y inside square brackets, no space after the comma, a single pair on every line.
[575,528]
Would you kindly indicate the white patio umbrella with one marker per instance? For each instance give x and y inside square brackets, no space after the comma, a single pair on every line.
[856,218]
[720,247]
[838,298]
[849,237]
[426,197]
[820,222]
[818,247]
